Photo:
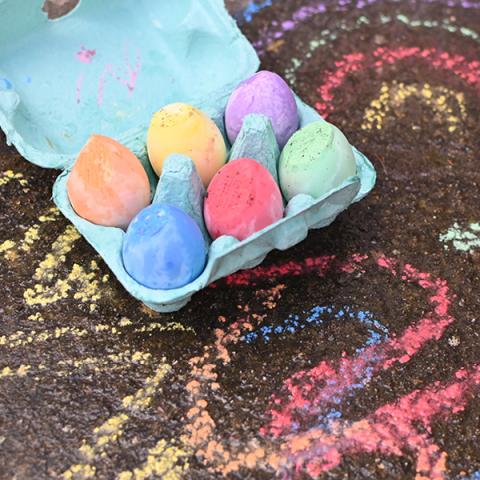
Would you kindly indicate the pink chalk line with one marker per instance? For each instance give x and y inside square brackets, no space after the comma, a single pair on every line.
[469,71]
[85,55]
[79,85]
[398,428]
[309,397]
[129,79]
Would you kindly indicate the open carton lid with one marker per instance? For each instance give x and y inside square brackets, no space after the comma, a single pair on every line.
[106,67]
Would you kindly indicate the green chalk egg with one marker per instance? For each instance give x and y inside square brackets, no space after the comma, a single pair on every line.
[316,159]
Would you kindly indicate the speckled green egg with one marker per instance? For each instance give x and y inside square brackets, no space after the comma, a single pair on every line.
[316,159]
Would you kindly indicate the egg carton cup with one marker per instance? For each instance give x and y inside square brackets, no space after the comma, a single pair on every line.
[184,51]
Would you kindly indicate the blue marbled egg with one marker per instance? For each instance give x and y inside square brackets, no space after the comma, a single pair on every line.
[164,248]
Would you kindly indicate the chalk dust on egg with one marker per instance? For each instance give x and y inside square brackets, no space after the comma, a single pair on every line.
[108,185]
[181,129]
[242,199]
[316,159]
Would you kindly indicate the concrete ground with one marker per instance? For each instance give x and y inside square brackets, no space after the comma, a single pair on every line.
[354,355]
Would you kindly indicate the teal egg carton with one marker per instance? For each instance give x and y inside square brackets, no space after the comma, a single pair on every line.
[105,68]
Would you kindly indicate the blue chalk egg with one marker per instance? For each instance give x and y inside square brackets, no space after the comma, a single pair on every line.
[163,248]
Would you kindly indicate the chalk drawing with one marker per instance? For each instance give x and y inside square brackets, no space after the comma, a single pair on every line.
[110,430]
[393,96]
[463,239]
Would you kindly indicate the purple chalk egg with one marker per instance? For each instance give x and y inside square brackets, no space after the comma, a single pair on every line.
[266,93]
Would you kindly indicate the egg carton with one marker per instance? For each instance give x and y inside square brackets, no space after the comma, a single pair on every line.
[60,91]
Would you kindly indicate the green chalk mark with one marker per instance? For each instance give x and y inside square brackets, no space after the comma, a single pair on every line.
[464,240]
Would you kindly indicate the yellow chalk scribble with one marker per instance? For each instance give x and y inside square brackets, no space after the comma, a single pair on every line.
[33,233]
[31,236]
[125,322]
[8,175]
[143,397]
[110,363]
[21,371]
[83,285]
[163,327]
[164,461]
[51,216]
[393,96]
[36,317]
[6,246]
[80,472]
[10,249]
[60,247]
[121,360]
[21,338]
[112,428]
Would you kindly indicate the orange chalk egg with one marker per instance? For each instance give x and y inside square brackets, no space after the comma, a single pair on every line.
[182,129]
[108,185]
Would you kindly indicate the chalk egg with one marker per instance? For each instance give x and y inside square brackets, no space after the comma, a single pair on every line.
[182,129]
[268,94]
[317,159]
[163,248]
[108,185]
[242,199]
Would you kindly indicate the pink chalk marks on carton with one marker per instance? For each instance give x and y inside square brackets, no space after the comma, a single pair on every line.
[78,87]
[126,75]
[85,55]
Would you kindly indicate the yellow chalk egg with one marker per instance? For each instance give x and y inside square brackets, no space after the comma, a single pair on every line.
[182,129]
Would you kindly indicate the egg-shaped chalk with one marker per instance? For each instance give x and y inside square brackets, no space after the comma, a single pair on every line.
[268,94]
[317,159]
[163,248]
[242,199]
[182,129]
[108,185]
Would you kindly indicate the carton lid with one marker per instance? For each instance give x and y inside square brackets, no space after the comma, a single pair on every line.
[106,67]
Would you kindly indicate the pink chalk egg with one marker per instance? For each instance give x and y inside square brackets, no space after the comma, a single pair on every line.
[242,199]
[108,185]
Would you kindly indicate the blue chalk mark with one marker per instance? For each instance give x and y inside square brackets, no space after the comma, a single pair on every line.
[28,79]
[253,8]
[474,476]
[321,315]
[5,84]
[318,316]
[325,421]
